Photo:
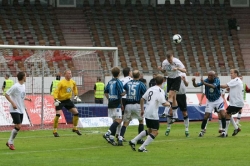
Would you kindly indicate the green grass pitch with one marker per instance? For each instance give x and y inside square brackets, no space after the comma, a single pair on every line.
[40,148]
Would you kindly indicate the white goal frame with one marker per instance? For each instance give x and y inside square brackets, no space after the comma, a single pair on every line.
[43,48]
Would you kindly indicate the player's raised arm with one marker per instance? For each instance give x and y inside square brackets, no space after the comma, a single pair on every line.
[194,83]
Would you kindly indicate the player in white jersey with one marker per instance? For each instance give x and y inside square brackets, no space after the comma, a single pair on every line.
[174,67]
[182,104]
[236,99]
[127,76]
[16,96]
[154,97]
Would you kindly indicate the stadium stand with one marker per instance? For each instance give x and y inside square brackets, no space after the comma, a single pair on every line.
[142,33]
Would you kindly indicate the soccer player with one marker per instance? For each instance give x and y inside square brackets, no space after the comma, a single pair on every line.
[182,103]
[236,98]
[55,83]
[7,84]
[114,92]
[134,90]
[245,90]
[16,96]
[62,95]
[127,76]
[174,67]
[154,97]
[213,95]
[164,87]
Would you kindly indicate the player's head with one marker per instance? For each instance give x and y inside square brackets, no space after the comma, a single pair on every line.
[115,71]
[21,76]
[136,74]
[7,76]
[126,72]
[234,73]
[159,79]
[211,75]
[58,76]
[67,74]
[170,56]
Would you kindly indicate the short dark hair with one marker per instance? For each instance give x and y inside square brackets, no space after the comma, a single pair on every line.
[170,53]
[7,75]
[126,71]
[20,75]
[115,71]
[159,80]
[99,79]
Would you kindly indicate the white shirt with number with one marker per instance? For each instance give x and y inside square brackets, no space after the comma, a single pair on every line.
[169,67]
[183,87]
[124,81]
[235,93]
[17,94]
[154,96]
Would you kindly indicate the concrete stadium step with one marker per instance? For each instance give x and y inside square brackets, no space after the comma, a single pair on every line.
[245,50]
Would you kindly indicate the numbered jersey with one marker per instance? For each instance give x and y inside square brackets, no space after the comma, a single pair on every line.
[134,90]
[124,81]
[154,96]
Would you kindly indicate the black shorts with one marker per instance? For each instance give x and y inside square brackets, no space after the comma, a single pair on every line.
[182,101]
[98,101]
[68,104]
[152,124]
[233,110]
[17,118]
[173,84]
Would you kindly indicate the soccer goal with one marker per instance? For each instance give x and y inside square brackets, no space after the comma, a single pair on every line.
[42,64]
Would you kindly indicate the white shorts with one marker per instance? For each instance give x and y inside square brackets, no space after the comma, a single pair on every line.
[132,111]
[115,113]
[219,104]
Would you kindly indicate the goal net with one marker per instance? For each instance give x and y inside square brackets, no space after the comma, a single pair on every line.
[42,64]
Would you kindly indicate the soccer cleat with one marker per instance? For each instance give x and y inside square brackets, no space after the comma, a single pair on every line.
[223,134]
[163,115]
[236,131]
[106,138]
[56,134]
[132,145]
[205,130]
[143,150]
[120,143]
[11,146]
[112,142]
[140,141]
[186,133]
[167,132]
[76,131]
[220,131]
[201,134]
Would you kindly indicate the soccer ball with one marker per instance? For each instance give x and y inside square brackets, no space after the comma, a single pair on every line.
[177,38]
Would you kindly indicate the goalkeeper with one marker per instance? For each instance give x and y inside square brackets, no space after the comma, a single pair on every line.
[62,96]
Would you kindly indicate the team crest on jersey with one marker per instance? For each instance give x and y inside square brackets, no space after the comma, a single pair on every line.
[169,68]
[211,90]
[68,90]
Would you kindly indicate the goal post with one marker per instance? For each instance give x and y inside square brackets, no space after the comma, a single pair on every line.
[42,64]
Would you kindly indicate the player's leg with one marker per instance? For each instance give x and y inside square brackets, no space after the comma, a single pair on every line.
[231,110]
[219,104]
[182,104]
[56,119]
[69,105]
[208,110]
[17,120]
[116,115]
[238,118]
[118,129]
[219,119]
[153,132]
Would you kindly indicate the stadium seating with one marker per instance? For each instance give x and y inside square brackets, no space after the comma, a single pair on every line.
[143,34]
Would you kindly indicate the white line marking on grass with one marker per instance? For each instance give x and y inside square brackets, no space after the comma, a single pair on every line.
[55,150]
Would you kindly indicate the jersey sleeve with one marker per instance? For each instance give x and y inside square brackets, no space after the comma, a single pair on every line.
[11,90]
[233,82]
[119,87]
[75,88]
[143,88]
[199,84]
[161,97]
[164,64]
[216,82]
[180,64]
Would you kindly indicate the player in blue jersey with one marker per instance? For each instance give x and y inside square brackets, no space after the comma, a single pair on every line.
[134,90]
[213,95]
[114,92]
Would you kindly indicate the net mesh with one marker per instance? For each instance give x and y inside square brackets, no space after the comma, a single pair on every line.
[41,67]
